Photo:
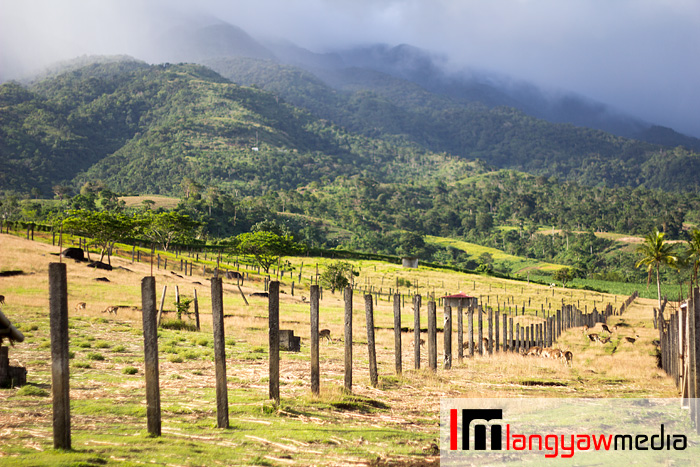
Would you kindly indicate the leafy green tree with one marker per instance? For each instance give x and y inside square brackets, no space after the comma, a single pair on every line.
[656,251]
[564,275]
[337,275]
[103,228]
[693,253]
[164,228]
[266,247]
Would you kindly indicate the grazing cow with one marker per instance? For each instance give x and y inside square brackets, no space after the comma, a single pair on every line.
[80,306]
[111,309]
[234,275]
[325,334]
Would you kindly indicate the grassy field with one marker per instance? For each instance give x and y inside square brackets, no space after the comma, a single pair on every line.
[159,201]
[394,424]
[518,264]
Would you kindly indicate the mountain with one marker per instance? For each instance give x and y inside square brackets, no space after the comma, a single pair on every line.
[143,128]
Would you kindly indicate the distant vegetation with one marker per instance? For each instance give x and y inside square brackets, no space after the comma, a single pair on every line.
[373,171]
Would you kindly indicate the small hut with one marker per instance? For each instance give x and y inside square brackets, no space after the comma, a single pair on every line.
[10,376]
[409,262]
[460,299]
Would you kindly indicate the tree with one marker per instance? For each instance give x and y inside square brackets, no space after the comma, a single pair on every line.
[693,254]
[564,275]
[656,252]
[103,228]
[266,247]
[167,227]
[337,275]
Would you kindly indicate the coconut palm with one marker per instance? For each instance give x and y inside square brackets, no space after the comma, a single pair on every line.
[693,254]
[656,251]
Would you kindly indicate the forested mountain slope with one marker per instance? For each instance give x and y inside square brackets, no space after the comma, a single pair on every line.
[398,110]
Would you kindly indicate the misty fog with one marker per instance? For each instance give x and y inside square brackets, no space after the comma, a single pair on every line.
[639,56]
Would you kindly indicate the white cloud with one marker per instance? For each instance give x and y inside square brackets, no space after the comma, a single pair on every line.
[639,55]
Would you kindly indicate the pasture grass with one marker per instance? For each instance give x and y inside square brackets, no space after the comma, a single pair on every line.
[396,422]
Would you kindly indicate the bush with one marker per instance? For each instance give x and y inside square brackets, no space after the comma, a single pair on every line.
[178,325]
[130,370]
[32,391]
[95,356]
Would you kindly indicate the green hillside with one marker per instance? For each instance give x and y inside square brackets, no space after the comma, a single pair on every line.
[383,106]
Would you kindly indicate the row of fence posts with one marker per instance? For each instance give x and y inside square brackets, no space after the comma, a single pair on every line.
[542,333]
[679,348]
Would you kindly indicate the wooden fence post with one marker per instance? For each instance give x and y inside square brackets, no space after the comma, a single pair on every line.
[60,376]
[217,317]
[497,331]
[369,315]
[315,370]
[447,337]
[348,338]
[470,330]
[397,333]
[274,339]
[460,332]
[150,345]
[695,343]
[162,302]
[416,331]
[490,324]
[479,310]
[196,309]
[432,336]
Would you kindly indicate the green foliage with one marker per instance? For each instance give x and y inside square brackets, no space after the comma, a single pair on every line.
[183,306]
[337,275]
[655,252]
[266,247]
[103,228]
[563,275]
[164,228]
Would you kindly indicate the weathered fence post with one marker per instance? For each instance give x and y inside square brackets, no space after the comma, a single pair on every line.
[490,323]
[162,302]
[397,333]
[416,331]
[470,330]
[479,310]
[315,370]
[60,376]
[217,317]
[447,337]
[150,346]
[348,338]
[497,329]
[274,339]
[460,332]
[369,315]
[196,309]
[432,336]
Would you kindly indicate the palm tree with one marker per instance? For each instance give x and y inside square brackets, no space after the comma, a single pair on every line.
[693,254]
[655,252]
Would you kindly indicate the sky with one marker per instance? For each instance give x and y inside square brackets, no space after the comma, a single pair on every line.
[641,57]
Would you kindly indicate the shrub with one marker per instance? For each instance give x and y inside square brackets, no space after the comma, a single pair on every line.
[95,356]
[32,391]
[130,370]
